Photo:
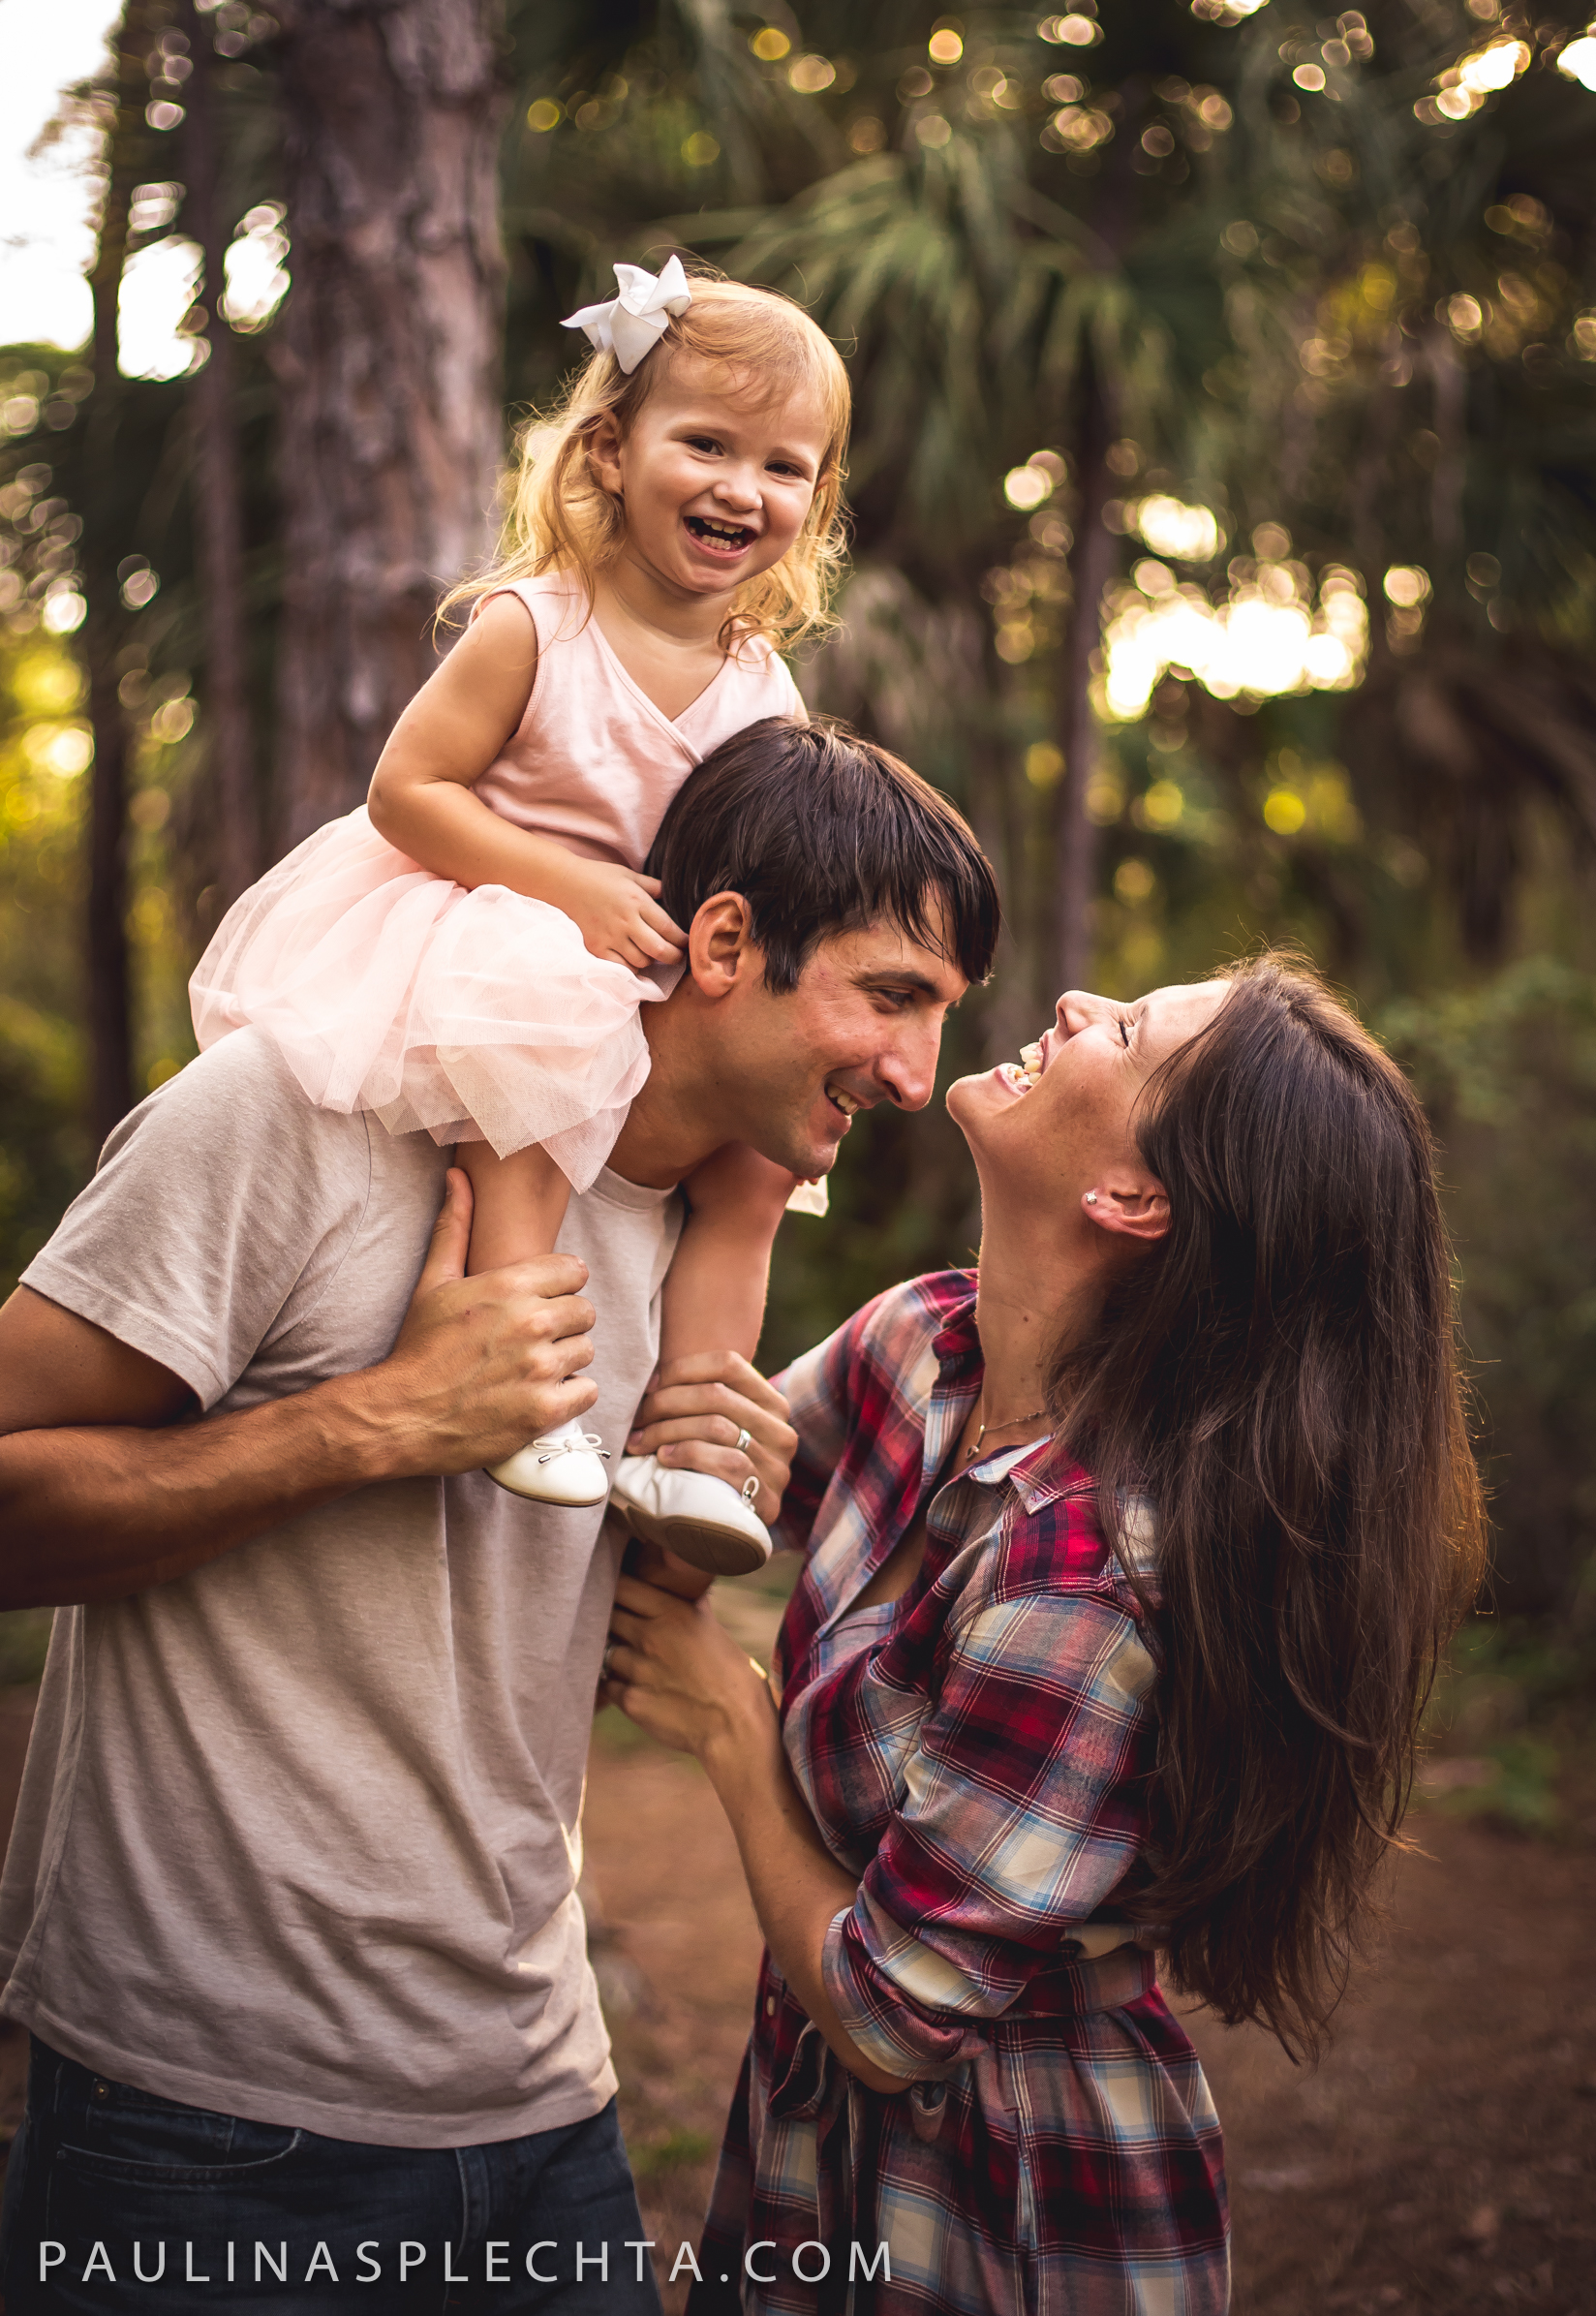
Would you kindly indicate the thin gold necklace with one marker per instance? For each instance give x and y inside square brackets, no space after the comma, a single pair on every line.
[970,1453]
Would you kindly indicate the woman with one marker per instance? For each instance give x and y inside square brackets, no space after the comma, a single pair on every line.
[1128,1561]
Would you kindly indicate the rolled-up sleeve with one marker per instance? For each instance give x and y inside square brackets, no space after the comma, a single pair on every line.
[1022,1809]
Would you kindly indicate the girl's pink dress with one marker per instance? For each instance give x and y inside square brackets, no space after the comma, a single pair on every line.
[480,1016]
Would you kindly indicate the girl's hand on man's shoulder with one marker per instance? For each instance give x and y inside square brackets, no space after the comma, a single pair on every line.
[618,913]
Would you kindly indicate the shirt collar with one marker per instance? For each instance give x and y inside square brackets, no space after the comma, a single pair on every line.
[1037,1472]
[957,1345]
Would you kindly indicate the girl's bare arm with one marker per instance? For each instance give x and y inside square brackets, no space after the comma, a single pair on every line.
[420,795]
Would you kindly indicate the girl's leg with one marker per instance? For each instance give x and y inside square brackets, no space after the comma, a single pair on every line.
[714,1300]
[518,1204]
[715,1291]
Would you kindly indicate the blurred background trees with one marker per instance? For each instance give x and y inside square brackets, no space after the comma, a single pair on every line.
[1224,482]
[389,416]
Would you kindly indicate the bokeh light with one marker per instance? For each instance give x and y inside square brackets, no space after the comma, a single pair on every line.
[64,612]
[1406,584]
[1463,89]
[1071,31]
[1026,486]
[257,279]
[158,289]
[1268,637]
[1579,61]
[1492,68]
[1170,527]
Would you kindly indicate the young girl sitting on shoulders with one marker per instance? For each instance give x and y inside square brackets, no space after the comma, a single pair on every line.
[469,952]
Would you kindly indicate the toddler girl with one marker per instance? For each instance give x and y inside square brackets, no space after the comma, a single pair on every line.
[469,952]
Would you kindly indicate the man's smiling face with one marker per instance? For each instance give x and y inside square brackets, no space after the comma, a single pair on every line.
[864,1025]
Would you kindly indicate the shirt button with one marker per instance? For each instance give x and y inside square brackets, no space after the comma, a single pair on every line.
[770,2006]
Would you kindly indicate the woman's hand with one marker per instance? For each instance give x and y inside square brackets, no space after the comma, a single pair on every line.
[677,1672]
[699,1408]
[618,913]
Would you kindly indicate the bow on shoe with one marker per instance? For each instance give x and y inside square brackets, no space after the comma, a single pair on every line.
[631,325]
[570,1443]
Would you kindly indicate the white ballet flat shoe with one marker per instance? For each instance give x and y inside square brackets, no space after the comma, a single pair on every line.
[705,1521]
[566,1467]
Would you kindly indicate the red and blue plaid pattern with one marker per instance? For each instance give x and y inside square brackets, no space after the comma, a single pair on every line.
[979,1752]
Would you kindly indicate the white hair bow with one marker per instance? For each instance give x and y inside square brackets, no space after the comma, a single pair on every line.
[633,323]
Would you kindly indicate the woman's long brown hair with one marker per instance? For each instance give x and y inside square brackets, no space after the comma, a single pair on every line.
[1281,1379]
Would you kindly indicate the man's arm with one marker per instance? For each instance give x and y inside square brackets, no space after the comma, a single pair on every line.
[104,1492]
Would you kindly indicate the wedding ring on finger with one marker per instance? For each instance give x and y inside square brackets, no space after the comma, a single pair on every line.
[603,1661]
[743,1438]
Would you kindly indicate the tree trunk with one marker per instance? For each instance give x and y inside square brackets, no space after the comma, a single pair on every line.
[218,489]
[110,1066]
[389,365]
[1092,567]
[1446,498]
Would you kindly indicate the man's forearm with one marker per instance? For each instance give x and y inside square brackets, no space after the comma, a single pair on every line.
[95,1513]
[101,1496]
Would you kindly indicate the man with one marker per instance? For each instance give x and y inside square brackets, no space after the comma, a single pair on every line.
[290,1906]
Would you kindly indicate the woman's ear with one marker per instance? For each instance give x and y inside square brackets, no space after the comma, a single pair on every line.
[1128,1205]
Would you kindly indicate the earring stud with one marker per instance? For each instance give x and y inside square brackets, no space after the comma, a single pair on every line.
[1091,1198]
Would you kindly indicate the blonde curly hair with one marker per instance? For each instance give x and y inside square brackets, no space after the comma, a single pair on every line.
[560,519]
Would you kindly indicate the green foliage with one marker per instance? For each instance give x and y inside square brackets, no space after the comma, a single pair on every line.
[45,751]
[612,1730]
[43,754]
[1514,1780]
[1511,1714]
[24,1639]
[902,1202]
[1508,1072]
[669,2150]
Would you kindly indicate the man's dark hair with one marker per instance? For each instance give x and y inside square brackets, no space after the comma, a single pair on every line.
[822,832]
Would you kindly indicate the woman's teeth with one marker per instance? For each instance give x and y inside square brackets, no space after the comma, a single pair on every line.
[1024,1073]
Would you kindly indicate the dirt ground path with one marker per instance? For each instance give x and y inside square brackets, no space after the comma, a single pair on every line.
[1442,2157]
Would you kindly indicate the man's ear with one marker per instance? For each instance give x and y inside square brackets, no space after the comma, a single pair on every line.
[1128,1205]
[719,948]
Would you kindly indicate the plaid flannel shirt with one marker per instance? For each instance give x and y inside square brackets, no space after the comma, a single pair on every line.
[978,1752]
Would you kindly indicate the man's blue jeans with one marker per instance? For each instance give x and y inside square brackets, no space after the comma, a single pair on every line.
[119,2201]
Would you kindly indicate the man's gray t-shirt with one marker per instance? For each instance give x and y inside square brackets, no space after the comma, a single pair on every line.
[300,1832]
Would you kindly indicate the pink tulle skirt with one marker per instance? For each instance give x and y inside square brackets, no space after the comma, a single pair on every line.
[472,1016]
